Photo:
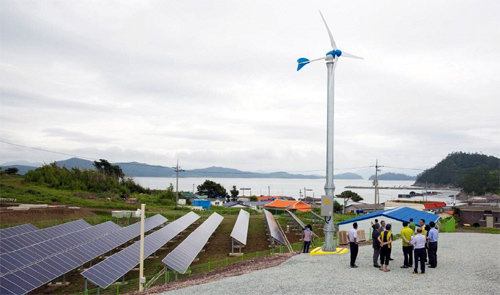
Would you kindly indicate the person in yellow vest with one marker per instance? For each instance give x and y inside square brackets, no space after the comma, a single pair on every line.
[385,240]
[406,234]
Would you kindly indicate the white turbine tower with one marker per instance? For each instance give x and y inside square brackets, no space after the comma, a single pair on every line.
[327,201]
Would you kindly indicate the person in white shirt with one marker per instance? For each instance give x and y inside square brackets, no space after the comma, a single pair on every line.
[418,241]
[353,244]
[307,238]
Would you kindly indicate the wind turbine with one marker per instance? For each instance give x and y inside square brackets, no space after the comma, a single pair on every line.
[327,201]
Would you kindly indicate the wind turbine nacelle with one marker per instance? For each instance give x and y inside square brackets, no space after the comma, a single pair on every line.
[334,53]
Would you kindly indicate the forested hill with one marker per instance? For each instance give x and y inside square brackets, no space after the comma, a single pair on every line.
[473,172]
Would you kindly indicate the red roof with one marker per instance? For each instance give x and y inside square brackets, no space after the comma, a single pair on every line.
[433,205]
[291,205]
[268,198]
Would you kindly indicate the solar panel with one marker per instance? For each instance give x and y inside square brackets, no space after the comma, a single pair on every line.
[116,266]
[298,221]
[316,215]
[273,228]
[14,260]
[183,255]
[240,229]
[17,230]
[35,275]
[20,241]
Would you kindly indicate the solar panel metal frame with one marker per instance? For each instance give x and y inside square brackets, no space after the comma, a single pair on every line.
[240,229]
[17,230]
[116,266]
[183,255]
[36,275]
[23,240]
[273,228]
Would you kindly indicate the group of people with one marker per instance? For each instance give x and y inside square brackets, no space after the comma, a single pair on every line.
[420,243]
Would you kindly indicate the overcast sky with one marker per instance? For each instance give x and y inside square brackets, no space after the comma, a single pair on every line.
[214,83]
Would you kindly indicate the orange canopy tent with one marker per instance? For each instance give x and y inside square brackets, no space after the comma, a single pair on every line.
[290,205]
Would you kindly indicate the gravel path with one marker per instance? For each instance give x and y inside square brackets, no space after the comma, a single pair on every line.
[468,263]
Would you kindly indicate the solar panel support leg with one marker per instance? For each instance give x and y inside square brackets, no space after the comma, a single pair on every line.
[98,291]
[64,279]
[166,275]
[85,290]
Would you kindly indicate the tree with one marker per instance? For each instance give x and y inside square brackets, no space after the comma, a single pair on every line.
[107,168]
[12,170]
[346,195]
[212,189]
[234,193]
[253,199]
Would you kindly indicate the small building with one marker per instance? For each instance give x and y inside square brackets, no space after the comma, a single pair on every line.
[217,201]
[362,208]
[487,216]
[419,205]
[288,205]
[394,216]
[233,204]
[205,204]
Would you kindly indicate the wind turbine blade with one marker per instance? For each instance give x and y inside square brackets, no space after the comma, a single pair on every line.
[308,61]
[334,46]
[347,54]
[301,62]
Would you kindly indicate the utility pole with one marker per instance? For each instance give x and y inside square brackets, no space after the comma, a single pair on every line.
[375,182]
[142,279]
[177,170]
[268,190]
[306,190]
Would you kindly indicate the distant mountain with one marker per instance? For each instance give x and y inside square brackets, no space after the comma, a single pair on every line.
[393,176]
[222,172]
[348,175]
[136,169]
[145,170]
[476,173]
[22,169]
[22,163]
[76,163]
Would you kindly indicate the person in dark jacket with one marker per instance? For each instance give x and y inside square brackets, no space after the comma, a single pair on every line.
[376,244]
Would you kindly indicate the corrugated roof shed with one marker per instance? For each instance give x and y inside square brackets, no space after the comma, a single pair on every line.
[400,213]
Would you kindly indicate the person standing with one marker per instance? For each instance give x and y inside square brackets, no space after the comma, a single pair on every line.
[412,225]
[433,244]
[385,240]
[376,244]
[382,225]
[307,238]
[406,234]
[418,241]
[353,244]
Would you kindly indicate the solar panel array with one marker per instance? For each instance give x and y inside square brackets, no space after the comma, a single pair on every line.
[116,266]
[183,255]
[14,260]
[298,221]
[35,275]
[240,229]
[273,228]
[20,241]
[17,230]
[316,215]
